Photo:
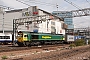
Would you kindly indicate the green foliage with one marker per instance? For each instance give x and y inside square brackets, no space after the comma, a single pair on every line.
[72,45]
[4,57]
[80,42]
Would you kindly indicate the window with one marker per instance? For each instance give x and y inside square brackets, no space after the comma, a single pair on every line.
[7,37]
[53,23]
[54,13]
[53,29]
[25,35]
[34,36]
[4,37]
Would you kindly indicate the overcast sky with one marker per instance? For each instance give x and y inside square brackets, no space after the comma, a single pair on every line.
[50,5]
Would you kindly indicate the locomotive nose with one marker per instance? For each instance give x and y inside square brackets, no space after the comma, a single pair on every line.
[19,39]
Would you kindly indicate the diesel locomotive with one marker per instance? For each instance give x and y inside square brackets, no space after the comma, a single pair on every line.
[31,38]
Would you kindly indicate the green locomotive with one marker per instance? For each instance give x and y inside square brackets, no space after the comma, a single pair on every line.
[30,38]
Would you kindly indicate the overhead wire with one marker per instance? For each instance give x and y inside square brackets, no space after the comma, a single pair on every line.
[23,3]
[72,4]
[48,4]
[68,1]
[87,1]
[38,2]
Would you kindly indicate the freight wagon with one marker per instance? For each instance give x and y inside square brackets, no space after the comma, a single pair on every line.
[30,38]
[79,37]
[69,39]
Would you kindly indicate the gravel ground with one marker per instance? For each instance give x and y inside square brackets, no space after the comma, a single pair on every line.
[36,54]
[82,56]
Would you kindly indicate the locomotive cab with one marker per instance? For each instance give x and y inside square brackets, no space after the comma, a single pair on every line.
[20,36]
[25,37]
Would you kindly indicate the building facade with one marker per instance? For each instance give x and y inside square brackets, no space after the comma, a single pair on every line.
[67,18]
[55,25]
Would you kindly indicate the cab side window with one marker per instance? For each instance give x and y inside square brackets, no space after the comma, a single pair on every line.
[25,35]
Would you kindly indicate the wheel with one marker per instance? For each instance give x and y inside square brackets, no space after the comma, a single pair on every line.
[20,44]
[27,43]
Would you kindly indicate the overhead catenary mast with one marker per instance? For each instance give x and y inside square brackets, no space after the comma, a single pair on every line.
[3,15]
[3,22]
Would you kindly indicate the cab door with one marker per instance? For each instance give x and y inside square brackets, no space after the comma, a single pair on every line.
[25,37]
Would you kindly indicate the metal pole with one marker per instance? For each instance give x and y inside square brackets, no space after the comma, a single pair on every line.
[14,42]
[13,32]
[3,23]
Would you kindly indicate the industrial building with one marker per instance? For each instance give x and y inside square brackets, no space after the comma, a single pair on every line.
[55,25]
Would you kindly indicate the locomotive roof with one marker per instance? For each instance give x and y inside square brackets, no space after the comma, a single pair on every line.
[39,33]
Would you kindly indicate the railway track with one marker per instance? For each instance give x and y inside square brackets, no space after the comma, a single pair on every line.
[52,56]
[64,55]
[16,48]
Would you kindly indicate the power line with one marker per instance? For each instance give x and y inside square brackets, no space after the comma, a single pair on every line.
[77,8]
[49,4]
[38,2]
[73,4]
[87,1]
[23,3]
